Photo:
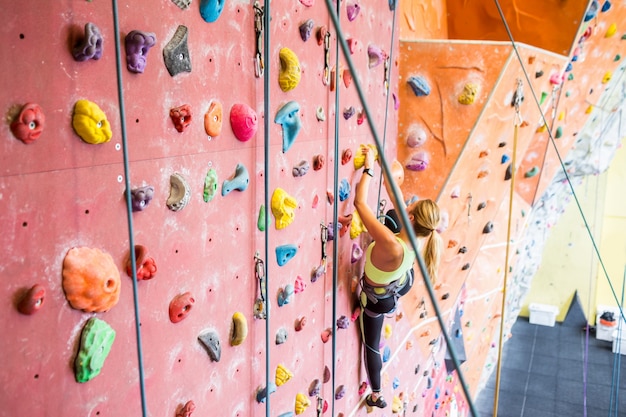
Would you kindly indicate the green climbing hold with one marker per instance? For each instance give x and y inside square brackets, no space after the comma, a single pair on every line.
[261,221]
[544,96]
[624,36]
[210,185]
[559,132]
[95,344]
[567,94]
[617,57]
[531,172]
[570,77]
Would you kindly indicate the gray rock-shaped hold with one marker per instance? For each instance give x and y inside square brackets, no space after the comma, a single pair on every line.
[419,86]
[176,52]
[281,336]
[211,342]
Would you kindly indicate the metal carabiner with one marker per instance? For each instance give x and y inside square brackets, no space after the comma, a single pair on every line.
[326,79]
[258,30]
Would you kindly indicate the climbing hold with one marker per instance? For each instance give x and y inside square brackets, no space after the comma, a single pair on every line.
[505,158]
[356,253]
[482,173]
[281,337]
[326,375]
[31,300]
[306,28]
[284,253]
[315,202]
[508,173]
[445,296]
[239,330]
[396,404]
[260,223]
[319,114]
[285,295]
[346,156]
[29,123]
[348,112]
[262,393]
[283,206]
[419,162]
[238,181]
[282,375]
[141,197]
[539,74]
[340,392]
[607,77]
[243,121]
[343,322]
[320,34]
[456,192]
[90,123]
[483,153]
[362,388]
[356,226]
[146,265]
[359,159]
[302,402]
[181,306]
[300,323]
[416,137]
[176,52]
[344,190]
[137,44]
[592,11]
[180,192]
[299,285]
[210,185]
[375,56]
[351,45]
[91,280]
[213,119]
[468,96]
[419,85]
[501,144]
[289,119]
[611,30]
[606,6]
[210,10]
[90,46]
[181,117]
[318,162]
[184,5]
[531,172]
[556,78]
[559,132]
[211,342]
[488,227]
[187,409]
[314,388]
[346,75]
[387,331]
[326,334]
[317,272]
[386,354]
[345,221]
[352,10]
[289,73]
[96,340]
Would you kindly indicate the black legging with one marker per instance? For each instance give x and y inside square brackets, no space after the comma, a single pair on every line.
[373,317]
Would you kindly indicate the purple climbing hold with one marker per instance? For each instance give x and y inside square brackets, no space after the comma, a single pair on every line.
[138,43]
[356,253]
[419,86]
[314,388]
[349,112]
[375,56]
[352,10]
[340,392]
[343,322]
[90,46]
[301,169]
[141,197]
[418,162]
[306,28]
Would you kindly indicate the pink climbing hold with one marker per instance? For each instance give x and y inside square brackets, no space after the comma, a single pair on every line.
[362,388]
[351,44]
[318,162]
[346,156]
[352,10]
[300,323]
[299,285]
[316,201]
[356,313]
[356,253]
[243,121]
[326,335]
[187,409]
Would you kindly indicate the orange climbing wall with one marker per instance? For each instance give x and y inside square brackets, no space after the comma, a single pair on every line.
[60,192]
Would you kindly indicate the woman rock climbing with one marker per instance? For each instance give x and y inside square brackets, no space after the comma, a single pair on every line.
[389,263]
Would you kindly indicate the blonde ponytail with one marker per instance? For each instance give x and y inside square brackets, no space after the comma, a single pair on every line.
[432,255]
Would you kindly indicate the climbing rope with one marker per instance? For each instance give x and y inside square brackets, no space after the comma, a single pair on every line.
[617,359]
[518,121]
[266,168]
[129,214]
[403,215]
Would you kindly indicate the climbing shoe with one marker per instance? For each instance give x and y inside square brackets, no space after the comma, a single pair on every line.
[380,402]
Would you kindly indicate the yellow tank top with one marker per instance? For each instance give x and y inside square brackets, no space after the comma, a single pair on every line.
[378,276]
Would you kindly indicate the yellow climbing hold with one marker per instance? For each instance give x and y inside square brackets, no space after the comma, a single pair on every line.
[611,30]
[396,405]
[283,206]
[239,330]
[302,402]
[562,115]
[289,74]
[388,331]
[282,375]
[542,128]
[90,123]
[607,77]
[359,158]
[468,96]
[356,226]
[589,109]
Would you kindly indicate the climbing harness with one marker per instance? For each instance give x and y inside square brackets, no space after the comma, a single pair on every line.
[260,306]
[375,294]
[258,31]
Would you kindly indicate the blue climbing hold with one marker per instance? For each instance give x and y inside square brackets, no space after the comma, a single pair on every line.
[239,181]
[386,353]
[210,10]
[344,190]
[262,393]
[285,295]
[505,159]
[284,253]
[419,86]
[395,383]
[606,6]
[289,119]
[592,11]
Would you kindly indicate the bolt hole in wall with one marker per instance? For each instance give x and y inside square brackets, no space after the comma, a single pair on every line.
[24,224]
[21,36]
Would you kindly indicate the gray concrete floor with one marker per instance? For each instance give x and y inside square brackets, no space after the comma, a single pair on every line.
[543,373]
